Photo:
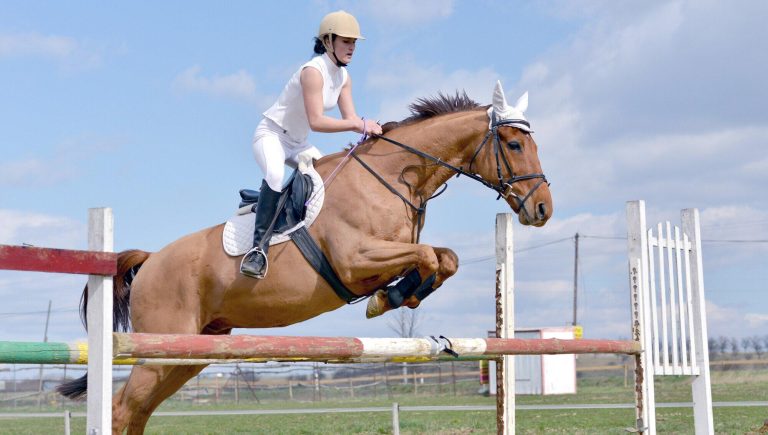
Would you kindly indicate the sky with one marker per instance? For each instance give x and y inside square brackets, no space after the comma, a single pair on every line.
[149,108]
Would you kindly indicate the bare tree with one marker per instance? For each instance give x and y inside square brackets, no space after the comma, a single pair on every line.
[757,345]
[405,323]
[746,343]
[714,349]
[723,344]
[734,345]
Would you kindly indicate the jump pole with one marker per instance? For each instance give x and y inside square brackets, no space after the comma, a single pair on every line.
[348,349]
[155,349]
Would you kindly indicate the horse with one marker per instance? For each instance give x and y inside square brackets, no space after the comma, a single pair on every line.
[368,229]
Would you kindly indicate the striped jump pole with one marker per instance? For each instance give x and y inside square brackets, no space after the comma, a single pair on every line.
[349,349]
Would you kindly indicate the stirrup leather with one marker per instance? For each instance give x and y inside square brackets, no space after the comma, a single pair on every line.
[255,252]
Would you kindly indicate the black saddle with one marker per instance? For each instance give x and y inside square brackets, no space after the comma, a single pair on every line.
[294,195]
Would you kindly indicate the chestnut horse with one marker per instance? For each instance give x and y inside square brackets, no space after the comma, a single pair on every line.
[368,233]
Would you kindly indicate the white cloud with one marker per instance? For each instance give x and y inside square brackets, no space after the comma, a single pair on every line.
[645,103]
[408,12]
[39,45]
[60,48]
[33,172]
[403,82]
[758,322]
[238,85]
[40,230]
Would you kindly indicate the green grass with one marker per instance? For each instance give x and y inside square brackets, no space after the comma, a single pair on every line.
[670,420]
[727,386]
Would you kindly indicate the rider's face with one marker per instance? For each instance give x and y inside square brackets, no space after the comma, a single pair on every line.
[344,48]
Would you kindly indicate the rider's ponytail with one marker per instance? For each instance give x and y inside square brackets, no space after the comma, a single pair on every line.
[319,47]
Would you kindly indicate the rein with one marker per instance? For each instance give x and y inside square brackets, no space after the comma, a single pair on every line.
[500,188]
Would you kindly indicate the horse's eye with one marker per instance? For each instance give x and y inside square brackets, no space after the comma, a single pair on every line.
[514,145]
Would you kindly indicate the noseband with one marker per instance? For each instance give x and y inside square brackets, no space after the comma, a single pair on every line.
[501,157]
[503,184]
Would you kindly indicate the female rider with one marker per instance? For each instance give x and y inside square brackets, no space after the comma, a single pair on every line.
[318,86]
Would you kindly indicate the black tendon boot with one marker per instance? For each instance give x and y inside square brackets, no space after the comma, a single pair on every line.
[255,263]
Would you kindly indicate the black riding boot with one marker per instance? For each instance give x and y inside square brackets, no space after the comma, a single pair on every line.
[255,263]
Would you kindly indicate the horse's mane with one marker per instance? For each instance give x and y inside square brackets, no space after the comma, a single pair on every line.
[429,107]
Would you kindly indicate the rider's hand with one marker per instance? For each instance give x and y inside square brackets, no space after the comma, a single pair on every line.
[372,127]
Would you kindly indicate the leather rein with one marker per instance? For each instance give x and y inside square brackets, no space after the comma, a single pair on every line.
[500,188]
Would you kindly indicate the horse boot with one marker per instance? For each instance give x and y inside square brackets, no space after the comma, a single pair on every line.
[394,295]
[254,263]
[424,290]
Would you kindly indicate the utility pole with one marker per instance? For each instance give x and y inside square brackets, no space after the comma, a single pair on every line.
[40,374]
[575,279]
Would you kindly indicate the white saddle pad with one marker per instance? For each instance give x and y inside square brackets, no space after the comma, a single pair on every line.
[238,231]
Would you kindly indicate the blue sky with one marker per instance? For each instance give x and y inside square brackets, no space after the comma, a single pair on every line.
[149,108]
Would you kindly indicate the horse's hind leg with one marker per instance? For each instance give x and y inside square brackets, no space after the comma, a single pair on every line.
[146,388]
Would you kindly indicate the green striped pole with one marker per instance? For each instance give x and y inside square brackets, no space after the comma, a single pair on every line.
[19,352]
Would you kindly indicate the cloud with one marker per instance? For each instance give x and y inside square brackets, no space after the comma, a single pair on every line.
[646,103]
[34,44]
[407,12]
[40,230]
[403,82]
[64,49]
[238,85]
[34,172]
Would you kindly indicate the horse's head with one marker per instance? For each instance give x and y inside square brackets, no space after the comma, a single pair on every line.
[508,158]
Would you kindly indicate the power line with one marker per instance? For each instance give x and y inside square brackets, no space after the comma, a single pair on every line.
[528,248]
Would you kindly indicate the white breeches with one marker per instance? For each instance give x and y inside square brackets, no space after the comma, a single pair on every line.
[273,149]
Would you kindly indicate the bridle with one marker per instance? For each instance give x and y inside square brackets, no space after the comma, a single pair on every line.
[502,186]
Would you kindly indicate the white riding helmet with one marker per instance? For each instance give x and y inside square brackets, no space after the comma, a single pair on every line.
[339,23]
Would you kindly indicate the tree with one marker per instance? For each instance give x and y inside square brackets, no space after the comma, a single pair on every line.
[722,343]
[734,345]
[757,345]
[405,323]
[746,343]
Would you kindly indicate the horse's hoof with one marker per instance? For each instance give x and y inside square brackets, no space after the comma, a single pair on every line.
[377,305]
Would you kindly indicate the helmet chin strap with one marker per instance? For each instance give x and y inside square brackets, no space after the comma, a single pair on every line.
[329,48]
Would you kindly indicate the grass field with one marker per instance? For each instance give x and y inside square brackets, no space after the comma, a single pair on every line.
[727,386]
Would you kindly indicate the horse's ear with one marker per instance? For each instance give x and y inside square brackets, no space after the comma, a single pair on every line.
[522,103]
[499,100]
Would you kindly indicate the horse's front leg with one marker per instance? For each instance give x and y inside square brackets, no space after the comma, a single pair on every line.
[422,267]
[448,265]
[378,262]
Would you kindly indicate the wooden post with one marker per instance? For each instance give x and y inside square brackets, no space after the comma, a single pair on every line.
[701,389]
[453,377]
[505,324]
[395,419]
[100,238]
[386,381]
[67,422]
[439,378]
[637,247]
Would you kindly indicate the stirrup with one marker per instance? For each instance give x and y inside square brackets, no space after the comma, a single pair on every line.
[253,254]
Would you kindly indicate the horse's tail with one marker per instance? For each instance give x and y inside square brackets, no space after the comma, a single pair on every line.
[128,264]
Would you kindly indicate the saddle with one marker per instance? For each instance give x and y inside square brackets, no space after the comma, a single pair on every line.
[302,200]
[294,198]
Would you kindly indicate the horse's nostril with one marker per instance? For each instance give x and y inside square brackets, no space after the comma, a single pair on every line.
[541,210]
